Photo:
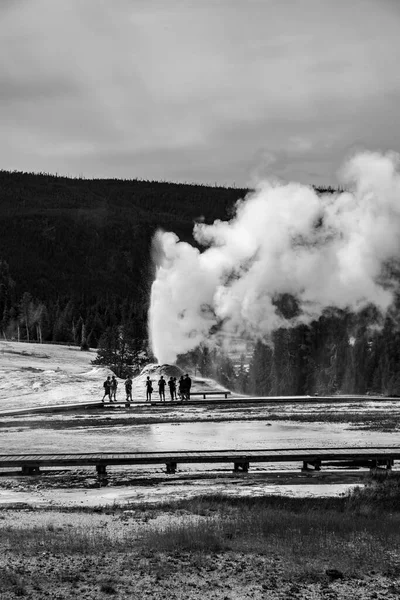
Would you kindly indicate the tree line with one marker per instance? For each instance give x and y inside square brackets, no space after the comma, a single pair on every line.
[340,353]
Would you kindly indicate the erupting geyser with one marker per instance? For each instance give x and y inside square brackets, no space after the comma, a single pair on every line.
[332,250]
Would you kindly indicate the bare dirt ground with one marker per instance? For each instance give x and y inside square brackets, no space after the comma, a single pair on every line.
[82,488]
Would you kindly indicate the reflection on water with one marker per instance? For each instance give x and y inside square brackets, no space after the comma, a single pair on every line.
[239,435]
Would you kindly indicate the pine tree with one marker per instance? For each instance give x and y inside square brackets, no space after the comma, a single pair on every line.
[260,370]
[225,371]
[26,313]
[123,354]
[242,377]
[7,286]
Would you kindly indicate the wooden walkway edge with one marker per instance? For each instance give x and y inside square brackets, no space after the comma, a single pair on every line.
[215,401]
[315,458]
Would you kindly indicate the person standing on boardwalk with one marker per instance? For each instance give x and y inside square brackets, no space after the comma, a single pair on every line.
[128,389]
[149,389]
[114,385]
[161,388]
[107,389]
[172,389]
[188,385]
[181,388]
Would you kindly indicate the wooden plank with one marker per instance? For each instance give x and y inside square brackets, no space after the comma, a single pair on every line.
[39,458]
[20,457]
[56,457]
[81,457]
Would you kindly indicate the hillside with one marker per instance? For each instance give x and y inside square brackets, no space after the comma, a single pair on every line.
[34,375]
[82,248]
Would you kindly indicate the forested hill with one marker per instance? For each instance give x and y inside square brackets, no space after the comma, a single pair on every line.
[77,251]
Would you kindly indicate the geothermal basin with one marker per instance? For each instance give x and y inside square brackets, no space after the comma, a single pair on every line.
[38,375]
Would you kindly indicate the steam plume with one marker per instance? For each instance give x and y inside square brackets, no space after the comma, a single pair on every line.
[326,251]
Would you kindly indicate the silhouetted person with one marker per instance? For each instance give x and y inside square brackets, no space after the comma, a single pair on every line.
[171,385]
[107,388]
[175,384]
[181,388]
[161,388]
[128,389]
[188,385]
[149,389]
[114,385]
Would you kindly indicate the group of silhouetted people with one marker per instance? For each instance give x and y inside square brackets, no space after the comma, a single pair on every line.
[110,389]
[177,389]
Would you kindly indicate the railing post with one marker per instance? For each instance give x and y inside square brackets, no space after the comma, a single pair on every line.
[30,470]
[171,467]
[241,466]
[316,463]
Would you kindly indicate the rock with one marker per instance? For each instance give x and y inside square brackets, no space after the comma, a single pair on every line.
[334,574]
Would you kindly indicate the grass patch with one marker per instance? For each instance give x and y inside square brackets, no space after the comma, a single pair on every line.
[191,535]
[357,533]
[380,495]
[12,582]
[69,541]
[350,542]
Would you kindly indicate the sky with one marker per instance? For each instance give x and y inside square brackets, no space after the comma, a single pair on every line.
[213,91]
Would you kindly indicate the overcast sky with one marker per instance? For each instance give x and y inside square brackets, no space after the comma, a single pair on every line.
[197,90]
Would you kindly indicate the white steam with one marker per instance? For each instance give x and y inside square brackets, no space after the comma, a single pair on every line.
[326,251]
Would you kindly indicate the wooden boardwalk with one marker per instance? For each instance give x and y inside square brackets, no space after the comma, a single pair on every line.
[217,399]
[373,457]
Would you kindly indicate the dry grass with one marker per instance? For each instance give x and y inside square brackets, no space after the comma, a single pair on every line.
[353,542]
[40,539]
[358,534]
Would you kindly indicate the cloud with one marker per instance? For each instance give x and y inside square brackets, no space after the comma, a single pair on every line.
[87,83]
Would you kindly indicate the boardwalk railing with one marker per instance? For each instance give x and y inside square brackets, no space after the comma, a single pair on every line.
[374,457]
[213,393]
